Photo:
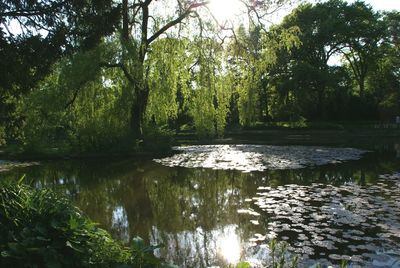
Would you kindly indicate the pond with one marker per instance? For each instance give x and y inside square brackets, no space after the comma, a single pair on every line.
[215,205]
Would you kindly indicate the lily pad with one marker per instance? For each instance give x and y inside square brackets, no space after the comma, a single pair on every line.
[247,158]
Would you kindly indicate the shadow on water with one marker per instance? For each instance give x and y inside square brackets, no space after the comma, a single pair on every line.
[211,217]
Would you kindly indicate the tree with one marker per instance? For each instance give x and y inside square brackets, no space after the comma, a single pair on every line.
[251,54]
[142,24]
[384,80]
[35,34]
[360,40]
[304,77]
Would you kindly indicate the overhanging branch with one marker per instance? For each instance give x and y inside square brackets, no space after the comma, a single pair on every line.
[176,21]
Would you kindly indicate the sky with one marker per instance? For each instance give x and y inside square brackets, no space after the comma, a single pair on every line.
[387,5]
[378,5]
[227,9]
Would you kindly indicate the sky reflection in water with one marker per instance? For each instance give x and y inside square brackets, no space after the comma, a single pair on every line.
[211,217]
[247,157]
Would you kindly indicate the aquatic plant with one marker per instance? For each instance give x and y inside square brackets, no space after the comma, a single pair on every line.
[320,218]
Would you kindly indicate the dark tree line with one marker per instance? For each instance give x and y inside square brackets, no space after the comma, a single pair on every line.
[309,81]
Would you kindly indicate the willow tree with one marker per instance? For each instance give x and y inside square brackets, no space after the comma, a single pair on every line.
[145,21]
[209,99]
[168,79]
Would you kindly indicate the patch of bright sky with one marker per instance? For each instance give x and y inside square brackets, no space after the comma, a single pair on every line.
[224,10]
[386,5]
[230,10]
[233,12]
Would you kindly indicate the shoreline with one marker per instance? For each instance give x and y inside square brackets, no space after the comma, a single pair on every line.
[323,137]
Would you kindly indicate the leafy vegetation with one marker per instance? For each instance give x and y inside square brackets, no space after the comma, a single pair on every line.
[117,87]
[40,228]
[121,76]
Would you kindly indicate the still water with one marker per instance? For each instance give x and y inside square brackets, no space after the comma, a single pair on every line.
[327,212]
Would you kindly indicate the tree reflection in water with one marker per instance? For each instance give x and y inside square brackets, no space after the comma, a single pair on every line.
[194,212]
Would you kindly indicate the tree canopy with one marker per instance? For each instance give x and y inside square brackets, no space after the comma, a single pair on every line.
[94,74]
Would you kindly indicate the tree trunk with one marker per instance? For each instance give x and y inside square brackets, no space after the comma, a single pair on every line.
[125,21]
[321,102]
[138,110]
[362,87]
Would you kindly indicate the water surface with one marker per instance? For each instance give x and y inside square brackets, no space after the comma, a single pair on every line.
[212,217]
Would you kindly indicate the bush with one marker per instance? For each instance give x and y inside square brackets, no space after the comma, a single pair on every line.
[38,228]
[2,136]
[157,138]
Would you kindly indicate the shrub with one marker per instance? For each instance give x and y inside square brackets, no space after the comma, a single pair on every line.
[157,138]
[2,136]
[38,228]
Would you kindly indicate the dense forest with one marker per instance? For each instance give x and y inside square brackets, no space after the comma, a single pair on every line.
[96,75]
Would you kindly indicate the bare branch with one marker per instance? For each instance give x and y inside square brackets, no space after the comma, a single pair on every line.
[21,12]
[176,21]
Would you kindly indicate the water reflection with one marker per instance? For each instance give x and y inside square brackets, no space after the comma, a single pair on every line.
[120,222]
[228,245]
[206,217]
[201,248]
[249,157]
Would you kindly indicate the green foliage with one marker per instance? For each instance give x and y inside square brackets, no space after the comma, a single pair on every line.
[209,101]
[28,54]
[44,121]
[243,265]
[85,112]
[167,77]
[2,135]
[252,55]
[80,91]
[157,138]
[344,264]
[389,107]
[384,82]
[303,82]
[278,255]
[41,229]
